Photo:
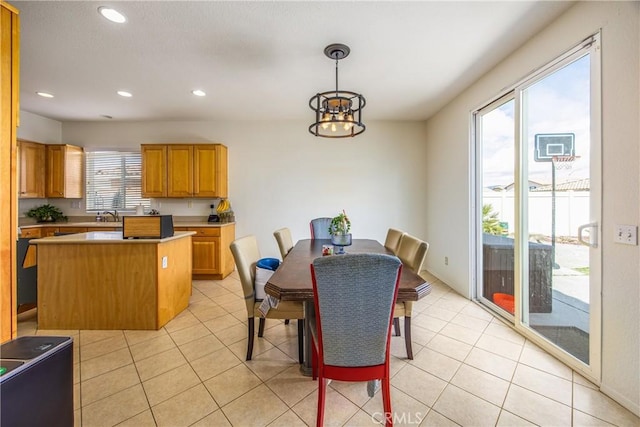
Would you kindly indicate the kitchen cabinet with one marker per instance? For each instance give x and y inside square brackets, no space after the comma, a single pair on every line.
[64,171]
[210,171]
[211,256]
[31,166]
[184,170]
[49,231]
[104,282]
[180,170]
[154,170]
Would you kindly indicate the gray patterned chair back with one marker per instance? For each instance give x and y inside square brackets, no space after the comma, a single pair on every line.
[320,228]
[355,295]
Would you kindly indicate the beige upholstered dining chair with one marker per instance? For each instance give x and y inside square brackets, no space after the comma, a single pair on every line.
[412,252]
[246,254]
[285,242]
[392,242]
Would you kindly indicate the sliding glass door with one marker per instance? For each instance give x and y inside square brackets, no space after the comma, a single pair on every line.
[538,197]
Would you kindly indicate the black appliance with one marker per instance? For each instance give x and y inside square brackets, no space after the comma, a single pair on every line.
[213,217]
[36,382]
[27,277]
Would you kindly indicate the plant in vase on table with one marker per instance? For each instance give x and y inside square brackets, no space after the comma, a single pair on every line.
[339,229]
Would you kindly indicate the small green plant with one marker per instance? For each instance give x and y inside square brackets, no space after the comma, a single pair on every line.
[340,224]
[490,221]
[46,213]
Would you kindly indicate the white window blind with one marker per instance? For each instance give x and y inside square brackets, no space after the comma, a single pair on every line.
[114,180]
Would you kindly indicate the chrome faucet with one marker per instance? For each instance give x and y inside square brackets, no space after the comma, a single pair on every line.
[114,214]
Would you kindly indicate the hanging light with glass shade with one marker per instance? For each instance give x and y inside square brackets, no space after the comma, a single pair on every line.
[339,112]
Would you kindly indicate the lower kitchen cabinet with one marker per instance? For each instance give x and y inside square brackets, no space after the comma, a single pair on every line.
[211,256]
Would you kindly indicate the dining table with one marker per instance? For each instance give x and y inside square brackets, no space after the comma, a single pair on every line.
[292,280]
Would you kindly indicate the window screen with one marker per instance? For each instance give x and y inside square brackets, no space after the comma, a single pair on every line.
[114,180]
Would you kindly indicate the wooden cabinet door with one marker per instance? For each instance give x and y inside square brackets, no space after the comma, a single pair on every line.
[205,182]
[222,179]
[49,231]
[32,166]
[180,170]
[73,166]
[55,171]
[205,253]
[64,172]
[154,170]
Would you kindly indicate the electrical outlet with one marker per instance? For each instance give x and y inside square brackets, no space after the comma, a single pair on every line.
[165,262]
[626,234]
[189,204]
[446,260]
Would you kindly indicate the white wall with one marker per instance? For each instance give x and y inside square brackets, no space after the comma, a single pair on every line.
[39,129]
[282,176]
[448,177]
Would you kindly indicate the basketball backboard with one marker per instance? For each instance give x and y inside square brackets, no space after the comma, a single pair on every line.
[550,145]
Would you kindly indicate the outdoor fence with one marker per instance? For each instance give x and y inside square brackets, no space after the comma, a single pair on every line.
[572,210]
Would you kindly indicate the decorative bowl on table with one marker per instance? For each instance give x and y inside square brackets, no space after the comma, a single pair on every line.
[339,241]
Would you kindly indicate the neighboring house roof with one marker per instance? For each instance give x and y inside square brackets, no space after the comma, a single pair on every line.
[577,185]
[532,185]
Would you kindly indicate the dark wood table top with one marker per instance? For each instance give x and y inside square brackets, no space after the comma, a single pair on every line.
[292,280]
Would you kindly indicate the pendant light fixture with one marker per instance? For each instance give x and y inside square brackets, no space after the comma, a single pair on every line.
[339,112]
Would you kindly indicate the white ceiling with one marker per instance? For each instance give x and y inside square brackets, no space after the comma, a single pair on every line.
[261,60]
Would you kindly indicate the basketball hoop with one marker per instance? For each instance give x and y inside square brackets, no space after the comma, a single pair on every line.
[563,162]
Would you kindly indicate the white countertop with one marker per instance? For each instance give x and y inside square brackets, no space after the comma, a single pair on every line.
[104,224]
[105,237]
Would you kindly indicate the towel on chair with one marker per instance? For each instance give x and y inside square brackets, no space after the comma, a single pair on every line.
[268,303]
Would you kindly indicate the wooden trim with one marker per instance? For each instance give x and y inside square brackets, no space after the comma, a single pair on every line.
[9,78]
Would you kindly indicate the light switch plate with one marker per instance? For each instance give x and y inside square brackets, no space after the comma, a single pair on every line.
[626,234]
[165,262]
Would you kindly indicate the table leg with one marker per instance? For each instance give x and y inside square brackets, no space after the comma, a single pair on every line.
[309,312]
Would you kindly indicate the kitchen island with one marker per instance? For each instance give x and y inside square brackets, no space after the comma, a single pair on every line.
[98,280]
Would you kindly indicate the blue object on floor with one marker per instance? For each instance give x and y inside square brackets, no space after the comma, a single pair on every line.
[268,263]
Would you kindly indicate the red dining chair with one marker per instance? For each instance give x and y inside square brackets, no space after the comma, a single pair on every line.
[353,295]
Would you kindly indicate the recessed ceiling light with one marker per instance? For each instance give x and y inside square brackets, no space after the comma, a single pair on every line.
[198,92]
[45,94]
[112,14]
[125,93]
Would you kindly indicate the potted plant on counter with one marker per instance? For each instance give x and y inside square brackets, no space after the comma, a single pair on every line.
[339,228]
[46,213]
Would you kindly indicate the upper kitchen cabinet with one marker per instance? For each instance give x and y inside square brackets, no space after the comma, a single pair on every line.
[180,170]
[184,170]
[154,170]
[31,166]
[210,171]
[65,172]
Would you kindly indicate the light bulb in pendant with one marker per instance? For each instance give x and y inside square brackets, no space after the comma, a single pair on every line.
[333,127]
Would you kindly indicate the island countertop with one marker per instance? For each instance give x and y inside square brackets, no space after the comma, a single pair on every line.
[98,280]
[104,237]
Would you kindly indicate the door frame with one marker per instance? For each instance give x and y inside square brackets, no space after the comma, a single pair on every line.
[591,46]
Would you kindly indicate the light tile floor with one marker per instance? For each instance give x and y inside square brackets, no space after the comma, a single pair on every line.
[469,369]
